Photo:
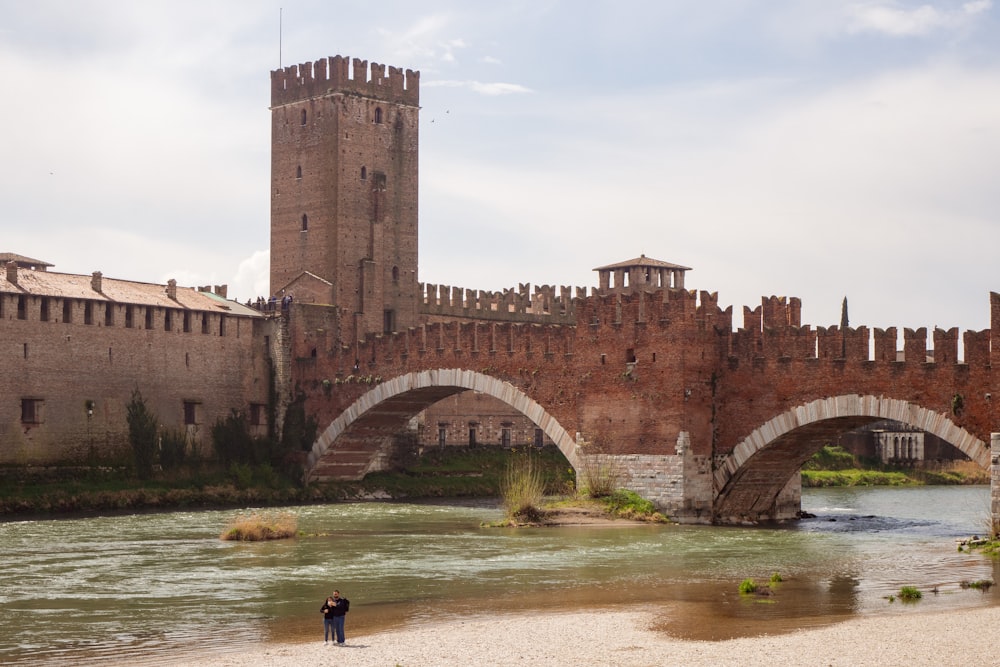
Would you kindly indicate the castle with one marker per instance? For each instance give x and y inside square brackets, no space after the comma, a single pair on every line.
[708,420]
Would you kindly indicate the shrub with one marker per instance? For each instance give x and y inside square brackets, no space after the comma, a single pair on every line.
[909,594]
[601,475]
[630,505]
[776,578]
[173,447]
[259,526]
[748,586]
[142,426]
[522,488]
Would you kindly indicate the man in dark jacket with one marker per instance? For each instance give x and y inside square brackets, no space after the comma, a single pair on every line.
[339,610]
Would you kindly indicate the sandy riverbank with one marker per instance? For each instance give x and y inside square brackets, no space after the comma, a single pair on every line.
[625,638]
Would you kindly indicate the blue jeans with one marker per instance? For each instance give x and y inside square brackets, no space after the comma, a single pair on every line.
[328,628]
[338,623]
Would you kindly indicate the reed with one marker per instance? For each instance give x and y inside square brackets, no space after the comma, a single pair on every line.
[260,526]
[522,488]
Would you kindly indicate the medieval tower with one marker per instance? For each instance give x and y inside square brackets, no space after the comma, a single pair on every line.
[344,190]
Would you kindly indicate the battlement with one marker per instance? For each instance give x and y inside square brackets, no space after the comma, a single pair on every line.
[340,74]
[545,304]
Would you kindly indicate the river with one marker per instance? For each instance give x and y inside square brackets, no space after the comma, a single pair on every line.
[129,587]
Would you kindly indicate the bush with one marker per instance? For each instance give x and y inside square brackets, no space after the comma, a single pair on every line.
[909,594]
[601,475]
[142,427]
[630,505]
[173,448]
[522,488]
[748,586]
[259,526]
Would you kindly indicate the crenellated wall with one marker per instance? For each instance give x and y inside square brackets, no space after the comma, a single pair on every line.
[312,79]
[541,304]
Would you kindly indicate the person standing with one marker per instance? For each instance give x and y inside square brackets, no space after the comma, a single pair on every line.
[329,622]
[340,607]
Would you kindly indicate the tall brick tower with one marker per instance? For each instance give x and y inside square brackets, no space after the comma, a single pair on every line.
[344,189]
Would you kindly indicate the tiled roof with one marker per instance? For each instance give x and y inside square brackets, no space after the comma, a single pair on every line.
[21,260]
[67,285]
[643,261]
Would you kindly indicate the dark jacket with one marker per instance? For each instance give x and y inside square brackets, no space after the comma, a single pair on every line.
[339,607]
[329,611]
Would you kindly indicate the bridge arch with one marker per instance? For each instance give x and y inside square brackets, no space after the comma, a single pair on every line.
[348,448]
[750,481]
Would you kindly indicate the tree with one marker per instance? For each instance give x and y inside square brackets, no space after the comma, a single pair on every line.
[142,428]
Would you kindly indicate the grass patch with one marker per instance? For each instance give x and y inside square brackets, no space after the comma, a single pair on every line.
[630,505]
[261,526]
[748,587]
[909,594]
[831,457]
[854,477]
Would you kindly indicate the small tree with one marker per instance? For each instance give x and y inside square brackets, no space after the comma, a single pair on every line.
[142,427]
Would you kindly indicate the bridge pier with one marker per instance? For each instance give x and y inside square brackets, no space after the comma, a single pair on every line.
[994,483]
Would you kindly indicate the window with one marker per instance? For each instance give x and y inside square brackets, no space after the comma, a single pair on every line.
[298,172]
[88,312]
[67,311]
[258,412]
[303,121]
[149,317]
[31,410]
[168,320]
[472,435]
[22,308]
[204,323]
[378,114]
[222,325]
[505,437]
[539,437]
[364,173]
[190,413]
[128,317]
[44,315]
[379,182]
[187,322]
[442,435]
[305,222]
[630,356]
[395,275]
[388,321]
[109,315]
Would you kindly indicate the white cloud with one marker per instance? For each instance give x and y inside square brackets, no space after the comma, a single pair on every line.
[890,19]
[489,89]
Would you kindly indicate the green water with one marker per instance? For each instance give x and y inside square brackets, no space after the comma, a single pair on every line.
[129,587]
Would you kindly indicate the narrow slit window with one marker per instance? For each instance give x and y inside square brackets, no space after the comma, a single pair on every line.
[303,121]
[378,115]
[305,222]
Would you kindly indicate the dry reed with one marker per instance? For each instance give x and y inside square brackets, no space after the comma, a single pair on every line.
[260,526]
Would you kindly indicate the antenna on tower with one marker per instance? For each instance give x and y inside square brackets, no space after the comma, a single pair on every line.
[279,36]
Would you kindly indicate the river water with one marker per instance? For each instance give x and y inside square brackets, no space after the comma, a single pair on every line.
[128,588]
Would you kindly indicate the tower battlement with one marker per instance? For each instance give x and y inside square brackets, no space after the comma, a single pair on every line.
[344,74]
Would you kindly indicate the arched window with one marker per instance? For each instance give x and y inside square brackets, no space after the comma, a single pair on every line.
[364,173]
[378,114]
[303,117]
[298,172]
[305,222]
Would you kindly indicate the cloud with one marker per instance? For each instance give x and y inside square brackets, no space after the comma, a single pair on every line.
[892,20]
[489,89]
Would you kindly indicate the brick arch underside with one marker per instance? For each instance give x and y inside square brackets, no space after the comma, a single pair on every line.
[758,469]
[351,444]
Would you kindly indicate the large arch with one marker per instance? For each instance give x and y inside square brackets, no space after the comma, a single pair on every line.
[751,478]
[349,446]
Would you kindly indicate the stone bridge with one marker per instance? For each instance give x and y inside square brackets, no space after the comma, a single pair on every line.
[711,423]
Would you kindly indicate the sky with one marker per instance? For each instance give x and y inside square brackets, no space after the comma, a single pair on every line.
[796,148]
